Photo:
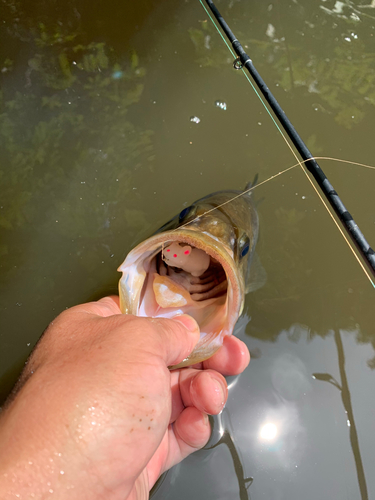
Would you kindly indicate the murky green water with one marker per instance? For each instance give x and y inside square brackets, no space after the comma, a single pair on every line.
[98,150]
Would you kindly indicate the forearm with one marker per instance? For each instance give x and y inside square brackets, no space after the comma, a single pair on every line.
[91,416]
[44,450]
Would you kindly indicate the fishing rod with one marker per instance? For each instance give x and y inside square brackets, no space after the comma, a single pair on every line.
[350,225]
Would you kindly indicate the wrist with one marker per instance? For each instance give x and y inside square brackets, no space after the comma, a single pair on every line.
[48,444]
[42,453]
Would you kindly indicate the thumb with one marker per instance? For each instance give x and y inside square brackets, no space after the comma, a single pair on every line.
[178,337]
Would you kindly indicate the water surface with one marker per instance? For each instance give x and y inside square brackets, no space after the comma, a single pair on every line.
[98,150]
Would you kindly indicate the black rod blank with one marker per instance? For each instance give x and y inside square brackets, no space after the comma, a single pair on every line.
[352,228]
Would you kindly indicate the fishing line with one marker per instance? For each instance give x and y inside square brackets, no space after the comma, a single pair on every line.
[340,229]
[314,168]
[273,177]
[246,75]
[317,192]
[344,161]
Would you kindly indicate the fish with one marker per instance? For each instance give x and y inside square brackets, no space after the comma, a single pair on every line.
[199,263]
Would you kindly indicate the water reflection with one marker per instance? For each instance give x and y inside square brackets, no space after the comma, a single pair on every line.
[347,402]
[268,432]
[223,427]
[51,146]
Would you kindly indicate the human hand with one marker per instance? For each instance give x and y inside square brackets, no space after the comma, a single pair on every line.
[98,414]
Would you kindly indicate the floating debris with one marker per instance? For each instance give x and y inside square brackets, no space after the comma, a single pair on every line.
[221,105]
[194,119]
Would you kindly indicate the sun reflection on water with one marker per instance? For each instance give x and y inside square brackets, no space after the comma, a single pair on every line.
[268,432]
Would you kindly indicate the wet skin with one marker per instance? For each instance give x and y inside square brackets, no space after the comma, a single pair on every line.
[97,413]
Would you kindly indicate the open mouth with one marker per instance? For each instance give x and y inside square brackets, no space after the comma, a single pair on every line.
[171,274]
[177,289]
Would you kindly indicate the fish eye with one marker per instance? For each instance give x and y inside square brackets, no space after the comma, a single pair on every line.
[186,211]
[244,246]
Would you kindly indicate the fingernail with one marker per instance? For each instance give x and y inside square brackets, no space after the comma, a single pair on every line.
[188,322]
[205,418]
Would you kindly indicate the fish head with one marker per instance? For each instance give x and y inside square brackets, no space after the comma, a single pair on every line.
[198,264]
[230,218]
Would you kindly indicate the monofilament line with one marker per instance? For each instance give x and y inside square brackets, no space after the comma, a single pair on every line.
[291,149]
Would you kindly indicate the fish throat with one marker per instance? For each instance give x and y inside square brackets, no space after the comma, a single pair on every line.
[183,279]
[184,272]
[187,287]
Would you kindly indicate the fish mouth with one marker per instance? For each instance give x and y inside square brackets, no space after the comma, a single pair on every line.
[151,286]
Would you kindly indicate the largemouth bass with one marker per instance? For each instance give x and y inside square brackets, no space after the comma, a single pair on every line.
[198,263]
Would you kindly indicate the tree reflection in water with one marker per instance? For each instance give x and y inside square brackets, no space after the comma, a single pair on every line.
[222,428]
[347,402]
